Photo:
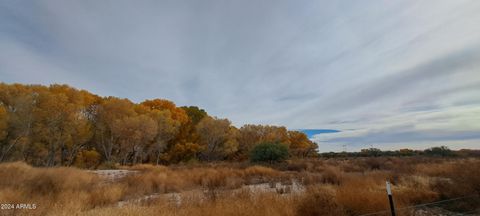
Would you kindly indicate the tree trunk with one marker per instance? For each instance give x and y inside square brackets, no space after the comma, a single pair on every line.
[158,157]
[62,153]
[51,156]
[5,152]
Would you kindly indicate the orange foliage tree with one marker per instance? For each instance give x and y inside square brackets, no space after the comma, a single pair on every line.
[61,125]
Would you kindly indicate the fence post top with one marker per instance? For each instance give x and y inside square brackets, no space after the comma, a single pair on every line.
[389,189]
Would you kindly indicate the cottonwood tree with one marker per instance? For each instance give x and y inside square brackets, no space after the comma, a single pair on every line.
[176,113]
[219,138]
[18,102]
[81,119]
[64,130]
[167,129]
[173,127]
[252,135]
[55,125]
[3,125]
[110,112]
[187,144]
[133,133]
[300,145]
[248,137]
[275,134]
[184,152]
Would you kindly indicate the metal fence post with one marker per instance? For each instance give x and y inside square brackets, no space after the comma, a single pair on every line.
[390,198]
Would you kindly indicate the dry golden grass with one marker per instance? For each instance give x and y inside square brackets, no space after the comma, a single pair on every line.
[51,189]
[332,187]
[243,203]
[363,193]
[319,201]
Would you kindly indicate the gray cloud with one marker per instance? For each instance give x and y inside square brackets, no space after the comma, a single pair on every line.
[408,136]
[418,77]
[309,64]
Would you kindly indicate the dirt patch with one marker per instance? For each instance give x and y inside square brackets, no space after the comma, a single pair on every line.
[114,175]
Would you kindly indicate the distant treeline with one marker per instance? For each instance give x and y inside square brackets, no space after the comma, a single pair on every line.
[60,125]
[440,151]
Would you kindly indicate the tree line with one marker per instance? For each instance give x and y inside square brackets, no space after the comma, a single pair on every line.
[60,125]
[437,151]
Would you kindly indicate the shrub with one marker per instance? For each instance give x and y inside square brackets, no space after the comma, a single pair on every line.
[87,159]
[269,152]
[296,166]
[107,165]
[442,151]
[371,152]
[332,175]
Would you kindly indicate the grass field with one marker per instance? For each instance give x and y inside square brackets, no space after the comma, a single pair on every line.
[298,187]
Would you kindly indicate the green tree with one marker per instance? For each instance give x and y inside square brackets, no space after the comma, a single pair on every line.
[442,151]
[371,152]
[196,114]
[269,152]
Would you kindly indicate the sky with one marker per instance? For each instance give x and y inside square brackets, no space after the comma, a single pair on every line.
[386,74]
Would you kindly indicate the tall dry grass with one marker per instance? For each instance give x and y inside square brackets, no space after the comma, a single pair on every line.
[243,203]
[330,187]
[53,190]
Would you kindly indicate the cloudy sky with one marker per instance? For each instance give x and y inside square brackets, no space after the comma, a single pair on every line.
[387,74]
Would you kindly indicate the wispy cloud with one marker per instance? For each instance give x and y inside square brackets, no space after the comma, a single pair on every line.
[387,73]
[414,129]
